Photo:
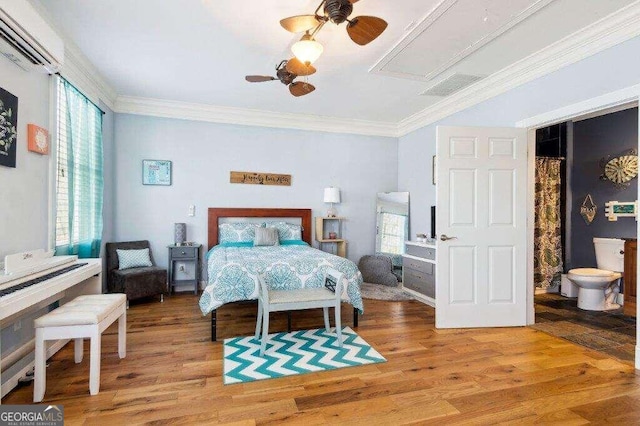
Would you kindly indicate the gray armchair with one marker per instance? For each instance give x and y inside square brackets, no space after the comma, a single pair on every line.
[134,282]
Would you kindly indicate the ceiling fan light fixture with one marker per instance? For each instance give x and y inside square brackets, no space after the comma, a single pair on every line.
[307,50]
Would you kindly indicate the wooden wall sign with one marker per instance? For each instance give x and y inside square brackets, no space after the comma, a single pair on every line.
[252,178]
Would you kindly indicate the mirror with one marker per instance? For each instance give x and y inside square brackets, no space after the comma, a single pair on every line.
[392,226]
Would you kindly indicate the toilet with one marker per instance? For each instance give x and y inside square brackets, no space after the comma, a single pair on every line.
[598,288]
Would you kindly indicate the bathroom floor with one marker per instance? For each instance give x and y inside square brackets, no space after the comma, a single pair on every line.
[611,332]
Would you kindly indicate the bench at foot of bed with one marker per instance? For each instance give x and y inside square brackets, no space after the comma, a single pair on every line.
[214,322]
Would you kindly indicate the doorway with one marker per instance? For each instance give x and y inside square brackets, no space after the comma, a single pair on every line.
[611,103]
[556,311]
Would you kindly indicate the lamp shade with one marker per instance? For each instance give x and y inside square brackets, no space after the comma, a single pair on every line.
[332,195]
[307,50]
[180,233]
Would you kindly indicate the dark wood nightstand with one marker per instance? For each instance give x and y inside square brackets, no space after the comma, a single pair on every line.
[184,254]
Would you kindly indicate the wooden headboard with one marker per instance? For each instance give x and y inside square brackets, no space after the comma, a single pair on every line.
[216,213]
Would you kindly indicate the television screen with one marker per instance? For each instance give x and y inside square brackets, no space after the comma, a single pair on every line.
[433,222]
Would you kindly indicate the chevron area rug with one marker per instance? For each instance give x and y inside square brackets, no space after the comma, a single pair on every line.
[298,352]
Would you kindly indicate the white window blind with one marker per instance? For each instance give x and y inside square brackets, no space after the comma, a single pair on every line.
[79,177]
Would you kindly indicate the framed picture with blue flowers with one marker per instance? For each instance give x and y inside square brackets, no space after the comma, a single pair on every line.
[8,132]
[156,172]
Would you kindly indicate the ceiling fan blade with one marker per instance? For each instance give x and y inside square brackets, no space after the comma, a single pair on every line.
[298,68]
[299,23]
[300,88]
[364,29]
[259,78]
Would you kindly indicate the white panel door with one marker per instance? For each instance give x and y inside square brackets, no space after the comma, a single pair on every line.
[481,217]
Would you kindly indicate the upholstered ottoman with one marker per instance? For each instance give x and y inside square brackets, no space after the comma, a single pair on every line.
[83,317]
[377,269]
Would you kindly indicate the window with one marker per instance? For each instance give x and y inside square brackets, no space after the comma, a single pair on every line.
[393,233]
[79,179]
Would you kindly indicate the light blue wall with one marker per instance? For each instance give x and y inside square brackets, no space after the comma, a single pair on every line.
[24,190]
[613,69]
[203,154]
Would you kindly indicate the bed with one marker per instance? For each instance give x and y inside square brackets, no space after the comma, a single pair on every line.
[234,264]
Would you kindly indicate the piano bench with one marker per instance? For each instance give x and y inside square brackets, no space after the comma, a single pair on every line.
[83,317]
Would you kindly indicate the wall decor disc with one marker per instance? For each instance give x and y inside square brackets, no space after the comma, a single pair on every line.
[621,169]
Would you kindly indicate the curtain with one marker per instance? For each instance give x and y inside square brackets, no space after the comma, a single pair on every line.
[79,183]
[547,237]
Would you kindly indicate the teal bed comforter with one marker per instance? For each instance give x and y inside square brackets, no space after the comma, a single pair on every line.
[234,269]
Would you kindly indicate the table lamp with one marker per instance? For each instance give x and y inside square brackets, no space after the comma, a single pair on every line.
[331,195]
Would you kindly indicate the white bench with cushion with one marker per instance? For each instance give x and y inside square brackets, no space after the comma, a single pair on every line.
[304,298]
[85,317]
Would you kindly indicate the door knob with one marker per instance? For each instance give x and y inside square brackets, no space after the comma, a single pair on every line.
[443,237]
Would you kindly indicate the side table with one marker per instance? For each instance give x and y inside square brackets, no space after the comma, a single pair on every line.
[184,254]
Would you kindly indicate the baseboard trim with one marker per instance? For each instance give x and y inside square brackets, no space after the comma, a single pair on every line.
[13,380]
[420,297]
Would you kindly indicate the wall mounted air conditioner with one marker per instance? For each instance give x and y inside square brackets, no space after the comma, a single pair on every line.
[27,40]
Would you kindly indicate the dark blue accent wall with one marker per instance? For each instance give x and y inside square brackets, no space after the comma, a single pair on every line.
[611,134]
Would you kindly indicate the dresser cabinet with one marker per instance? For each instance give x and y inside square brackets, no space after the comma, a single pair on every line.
[630,270]
[419,271]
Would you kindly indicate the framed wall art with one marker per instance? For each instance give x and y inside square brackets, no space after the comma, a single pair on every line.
[8,125]
[37,139]
[615,209]
[156,172]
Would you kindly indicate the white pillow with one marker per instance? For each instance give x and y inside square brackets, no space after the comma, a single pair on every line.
[133,258]
[286,231]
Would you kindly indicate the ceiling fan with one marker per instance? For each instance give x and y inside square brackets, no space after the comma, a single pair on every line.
[361,29]
[286,76]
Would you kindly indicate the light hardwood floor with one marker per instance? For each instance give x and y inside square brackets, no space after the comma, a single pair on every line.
[172,375]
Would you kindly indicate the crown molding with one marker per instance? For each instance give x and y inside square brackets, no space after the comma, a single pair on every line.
[77,68]
[251,117]
[609,31]
[610,102]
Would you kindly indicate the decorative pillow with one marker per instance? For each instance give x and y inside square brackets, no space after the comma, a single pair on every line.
[266,237]
[236,232]
[133,258]
[287,231]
